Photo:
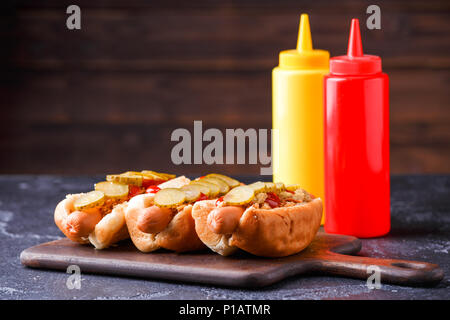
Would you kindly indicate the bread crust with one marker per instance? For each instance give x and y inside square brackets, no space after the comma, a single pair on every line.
[216,242]
[179,236]
[274,232]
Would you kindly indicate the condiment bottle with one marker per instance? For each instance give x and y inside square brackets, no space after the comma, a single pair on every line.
[297,102]
[357,191]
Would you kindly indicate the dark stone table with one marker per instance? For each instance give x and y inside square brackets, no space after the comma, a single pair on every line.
[420,231]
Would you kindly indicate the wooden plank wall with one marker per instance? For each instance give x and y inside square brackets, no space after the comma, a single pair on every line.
[106,98]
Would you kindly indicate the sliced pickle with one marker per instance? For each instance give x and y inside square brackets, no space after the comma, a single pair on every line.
[152,175]
[89,200]
[270,187]
[214,189]
[258,186]
[239,196]
[192,192]
[132,173]
[145,176]
[169,198]
[164,176]
[113,189]
[292,187]
[167,175]
[280,186]
[126,178]
[201,188]
[230,181]
[223,186]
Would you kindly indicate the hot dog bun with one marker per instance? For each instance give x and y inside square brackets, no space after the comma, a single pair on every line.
[145,242]
[278,232]
[110,229]
[274,232]
[180,235]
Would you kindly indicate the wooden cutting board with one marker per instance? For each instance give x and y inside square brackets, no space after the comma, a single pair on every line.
[327,254]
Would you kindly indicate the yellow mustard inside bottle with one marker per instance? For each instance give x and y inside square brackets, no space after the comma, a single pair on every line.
[297,114]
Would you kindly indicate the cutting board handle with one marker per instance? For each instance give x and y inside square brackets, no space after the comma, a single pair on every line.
[401,272]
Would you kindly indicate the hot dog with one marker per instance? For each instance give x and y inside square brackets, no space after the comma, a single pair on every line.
[153,219]
[264,219]
[98,216]
[163,219]
[72,226]
[152,227]
[224,220]
[82,223]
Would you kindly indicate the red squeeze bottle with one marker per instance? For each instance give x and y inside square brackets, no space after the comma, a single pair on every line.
[356,143]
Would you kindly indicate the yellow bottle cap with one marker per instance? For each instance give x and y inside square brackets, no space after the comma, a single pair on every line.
[304,57]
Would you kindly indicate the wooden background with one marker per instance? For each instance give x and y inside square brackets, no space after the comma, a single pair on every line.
[107,97]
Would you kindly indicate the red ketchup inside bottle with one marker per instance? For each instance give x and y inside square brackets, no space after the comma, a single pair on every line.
[356,125]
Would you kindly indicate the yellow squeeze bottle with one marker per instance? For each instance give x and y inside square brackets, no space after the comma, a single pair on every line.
[297,103]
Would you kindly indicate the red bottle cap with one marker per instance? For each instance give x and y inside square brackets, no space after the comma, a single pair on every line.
[355,62]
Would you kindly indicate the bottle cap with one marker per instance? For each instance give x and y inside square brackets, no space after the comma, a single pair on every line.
[304,57]
[355,62]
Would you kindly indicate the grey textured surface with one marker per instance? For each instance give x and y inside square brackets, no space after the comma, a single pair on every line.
[420,231]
